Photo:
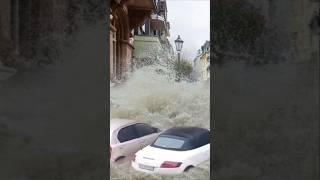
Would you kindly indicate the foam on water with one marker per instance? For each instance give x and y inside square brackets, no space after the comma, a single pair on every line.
[154,98]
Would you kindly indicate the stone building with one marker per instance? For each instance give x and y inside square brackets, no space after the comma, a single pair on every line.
[297,25]
[124,17]
[151,39]
[201,64]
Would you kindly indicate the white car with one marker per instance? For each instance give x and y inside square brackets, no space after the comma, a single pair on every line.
[128,136]
[175,150]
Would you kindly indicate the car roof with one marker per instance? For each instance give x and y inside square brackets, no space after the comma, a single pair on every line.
[118,122]
[185,132]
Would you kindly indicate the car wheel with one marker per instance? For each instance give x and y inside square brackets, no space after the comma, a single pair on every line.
[188,168]
[119,158]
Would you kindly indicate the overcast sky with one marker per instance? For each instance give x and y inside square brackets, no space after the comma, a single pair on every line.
[191,20]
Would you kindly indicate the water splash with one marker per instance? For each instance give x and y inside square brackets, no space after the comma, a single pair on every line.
[154,98]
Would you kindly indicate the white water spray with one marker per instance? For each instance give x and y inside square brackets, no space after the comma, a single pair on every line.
[156,99]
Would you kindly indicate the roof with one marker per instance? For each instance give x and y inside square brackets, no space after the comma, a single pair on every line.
[117,122]
[185,132]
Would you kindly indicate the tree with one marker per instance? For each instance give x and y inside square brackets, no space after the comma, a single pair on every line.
[182,70]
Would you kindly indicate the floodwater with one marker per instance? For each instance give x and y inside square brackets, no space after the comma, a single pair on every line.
[156,99]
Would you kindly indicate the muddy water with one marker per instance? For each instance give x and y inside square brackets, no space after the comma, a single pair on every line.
[158,100]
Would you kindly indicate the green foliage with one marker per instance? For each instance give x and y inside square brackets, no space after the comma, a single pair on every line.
[182,69]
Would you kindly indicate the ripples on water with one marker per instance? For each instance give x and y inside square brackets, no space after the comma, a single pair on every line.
[158,100]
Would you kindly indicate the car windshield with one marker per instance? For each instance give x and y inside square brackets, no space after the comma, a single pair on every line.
[168,142]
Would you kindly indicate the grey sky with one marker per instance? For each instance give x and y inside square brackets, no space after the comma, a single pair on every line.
[191,20]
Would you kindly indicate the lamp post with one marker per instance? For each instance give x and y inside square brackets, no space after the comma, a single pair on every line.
[178,43]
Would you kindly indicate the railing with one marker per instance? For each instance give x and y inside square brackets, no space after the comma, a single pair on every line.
[157,17]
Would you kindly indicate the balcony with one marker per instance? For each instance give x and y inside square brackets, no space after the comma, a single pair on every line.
[157,17]
[139,11]
[140,4]
[158,22]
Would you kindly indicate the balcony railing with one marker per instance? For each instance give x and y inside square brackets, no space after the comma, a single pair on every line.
[157,17]
[158,22]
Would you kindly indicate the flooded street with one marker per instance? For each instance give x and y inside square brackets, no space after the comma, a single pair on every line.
[158,100]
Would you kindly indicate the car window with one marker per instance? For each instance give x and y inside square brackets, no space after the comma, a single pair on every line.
[188,145]
[205,139]
[144,129]
[168,142]
[127,133]
[202,140]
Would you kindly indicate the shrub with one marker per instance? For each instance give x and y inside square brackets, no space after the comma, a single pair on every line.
[182,69]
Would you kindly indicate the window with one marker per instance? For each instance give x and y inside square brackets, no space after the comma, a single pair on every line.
[168,142]
[198,141]
[144,129]
[203,140]
[143,28]
[127,133]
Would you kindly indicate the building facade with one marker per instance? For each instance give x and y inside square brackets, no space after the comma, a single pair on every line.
[201,64]
[151,39]
[124,17]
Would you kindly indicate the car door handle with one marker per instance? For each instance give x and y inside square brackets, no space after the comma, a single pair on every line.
[121,147]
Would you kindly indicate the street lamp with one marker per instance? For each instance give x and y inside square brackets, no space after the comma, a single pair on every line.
[178,43]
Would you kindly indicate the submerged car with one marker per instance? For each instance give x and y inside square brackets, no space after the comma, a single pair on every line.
[175,150]
[128,136]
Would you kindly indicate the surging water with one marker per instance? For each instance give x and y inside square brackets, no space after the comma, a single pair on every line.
[154,98]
